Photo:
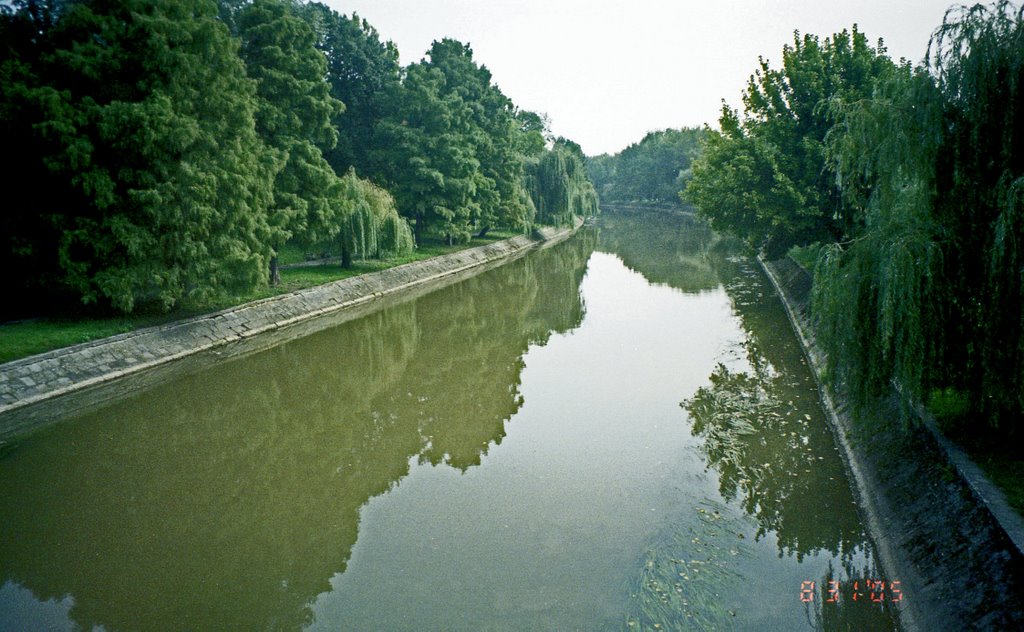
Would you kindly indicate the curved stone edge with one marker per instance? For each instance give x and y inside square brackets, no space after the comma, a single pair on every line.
[929,604]
[28,383]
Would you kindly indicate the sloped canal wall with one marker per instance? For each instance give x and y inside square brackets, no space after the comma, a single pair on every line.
[86,375]
[939,527]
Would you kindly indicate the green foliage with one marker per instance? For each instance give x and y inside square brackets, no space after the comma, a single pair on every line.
[977,57]
[430,167]
[362,72]
[373,227]
[163,161]
[451,147]
[738,186]
[133,122]
[293,118]
[559,186]
[928,294]
[874,296]
[653,170]
[765,176]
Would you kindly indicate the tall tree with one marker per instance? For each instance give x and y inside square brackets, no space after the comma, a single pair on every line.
[653,170]
[777,148]
[145,151]
[928,291]
[294,117]
[429,162]
[977,57]
[363,72]
[878,298]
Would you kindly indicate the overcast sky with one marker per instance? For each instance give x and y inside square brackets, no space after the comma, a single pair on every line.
[606,73]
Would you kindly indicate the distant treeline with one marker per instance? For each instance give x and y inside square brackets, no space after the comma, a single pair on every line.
[166,150]
[910,181]
[653,170]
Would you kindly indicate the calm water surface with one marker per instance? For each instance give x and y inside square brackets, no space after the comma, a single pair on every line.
[612,433]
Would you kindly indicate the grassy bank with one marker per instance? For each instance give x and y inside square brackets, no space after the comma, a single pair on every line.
[26,338]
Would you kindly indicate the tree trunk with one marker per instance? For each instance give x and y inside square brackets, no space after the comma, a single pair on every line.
[418,229]
[346,256]
[483,232]
[275,272]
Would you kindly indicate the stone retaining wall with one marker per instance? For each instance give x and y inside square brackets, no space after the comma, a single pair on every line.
[84,375]
[958,565]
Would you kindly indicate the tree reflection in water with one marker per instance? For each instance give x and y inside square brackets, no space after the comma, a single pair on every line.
[227,499]
[762,431]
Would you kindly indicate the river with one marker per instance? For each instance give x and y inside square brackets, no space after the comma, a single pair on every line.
[615,433]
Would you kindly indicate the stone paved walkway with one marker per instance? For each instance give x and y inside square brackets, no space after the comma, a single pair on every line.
[31,380]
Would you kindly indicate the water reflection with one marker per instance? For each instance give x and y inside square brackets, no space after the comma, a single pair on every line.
[761,430]
[228,499]
[759,436]
[759,418]
[670,249]
[851,597]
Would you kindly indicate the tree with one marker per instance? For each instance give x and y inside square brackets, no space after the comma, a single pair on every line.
[878,297]
[739,177]
[559,186]
[777,148]
[363,72]
[977,58]
[138,120]
[294,118]
[430,166]
[372,227]
[653,170]
[927,293]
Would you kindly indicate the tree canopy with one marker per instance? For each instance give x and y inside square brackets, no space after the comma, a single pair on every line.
[653,170]
[140,176]
[910,180]
[168,150]
[764,175]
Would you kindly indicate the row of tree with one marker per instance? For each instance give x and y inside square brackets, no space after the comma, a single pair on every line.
[653,170]
[168,149]
[911,178]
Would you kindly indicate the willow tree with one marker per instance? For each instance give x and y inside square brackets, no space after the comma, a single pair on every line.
[559,185]
[928,294]
[876,296]
[372,227]
[977,57]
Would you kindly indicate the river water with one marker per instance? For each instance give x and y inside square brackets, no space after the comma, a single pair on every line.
[615,433]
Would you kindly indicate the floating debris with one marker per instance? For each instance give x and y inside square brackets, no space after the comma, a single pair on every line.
[684,572]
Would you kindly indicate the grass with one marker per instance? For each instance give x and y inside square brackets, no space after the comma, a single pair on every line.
[1001,463]
[21,339]
[25,338]
[806,256]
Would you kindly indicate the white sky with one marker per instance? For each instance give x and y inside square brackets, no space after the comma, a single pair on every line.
[606,73]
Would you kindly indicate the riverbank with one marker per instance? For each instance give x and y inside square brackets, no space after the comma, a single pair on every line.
[936,530]
[134,359]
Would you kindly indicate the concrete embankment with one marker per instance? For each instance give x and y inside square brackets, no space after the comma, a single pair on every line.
[954,554]
[38,389]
